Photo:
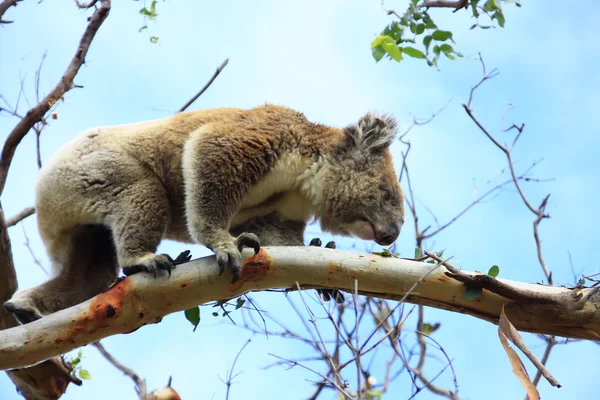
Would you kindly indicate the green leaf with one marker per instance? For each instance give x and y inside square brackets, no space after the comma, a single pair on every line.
[385,253]
[473,27]
[417,16]
[240,302]
[414,2]
[420,28]
[412,52]
[428,329]
[377,41]
[378,53]
[429,24]
[436,50]
[494,271]
[442,35]
[215,314]
[499,17]
[446,48]
[154,39]
[440,253]
[84,374]
[404,19]
[389,45]
[473,293]
[142,28]
[427,41]
[413,27]
[193,315]
[418,253]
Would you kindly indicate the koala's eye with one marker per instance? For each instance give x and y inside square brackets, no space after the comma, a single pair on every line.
[386,195]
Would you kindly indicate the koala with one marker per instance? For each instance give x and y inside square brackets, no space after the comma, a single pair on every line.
[226,178]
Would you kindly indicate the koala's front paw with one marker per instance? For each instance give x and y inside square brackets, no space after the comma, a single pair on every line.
[328,294]
[157,262]
[22,313]
[230,254]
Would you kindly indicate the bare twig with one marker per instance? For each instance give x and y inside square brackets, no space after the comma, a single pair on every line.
[210,81]
[325,378]
[139,382]
[230,376]
[456,4]
[82,5]
[5,5]
[539,212]
[36,114]
[28,245]
[12,221]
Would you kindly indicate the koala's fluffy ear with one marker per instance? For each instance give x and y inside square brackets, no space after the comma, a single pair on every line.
[372,134]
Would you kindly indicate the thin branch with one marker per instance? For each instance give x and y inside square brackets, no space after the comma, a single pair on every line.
[5,5]
[12,221]
[231,376]
[456,4]
[139,382]
[81,5]
[36,114]
[28,245]
[210,81]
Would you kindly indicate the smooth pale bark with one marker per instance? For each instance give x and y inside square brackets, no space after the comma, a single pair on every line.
[141,299]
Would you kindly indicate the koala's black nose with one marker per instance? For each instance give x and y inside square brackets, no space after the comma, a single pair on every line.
[388,235]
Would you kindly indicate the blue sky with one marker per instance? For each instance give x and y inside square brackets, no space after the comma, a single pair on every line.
[315,57]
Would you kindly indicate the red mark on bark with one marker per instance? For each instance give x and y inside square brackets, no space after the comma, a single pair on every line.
[254,269]
[105,306]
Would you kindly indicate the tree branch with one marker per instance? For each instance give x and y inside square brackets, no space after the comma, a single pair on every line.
[210,81]
[15,219]
[65,84]
[139,300]
[4,6]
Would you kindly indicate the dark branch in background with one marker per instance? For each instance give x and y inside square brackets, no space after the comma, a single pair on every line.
[211,80]
[12,221]
[50,378]
[36,114]
[5,5]
[457,4]
[81,5]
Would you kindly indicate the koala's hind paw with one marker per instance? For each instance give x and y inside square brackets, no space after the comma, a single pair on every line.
[157,262]
[328,294]
[230,254]
[22,314]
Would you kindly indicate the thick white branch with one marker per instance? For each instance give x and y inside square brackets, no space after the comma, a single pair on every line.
[141,299]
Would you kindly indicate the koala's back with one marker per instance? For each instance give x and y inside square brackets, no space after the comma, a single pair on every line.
[83,182]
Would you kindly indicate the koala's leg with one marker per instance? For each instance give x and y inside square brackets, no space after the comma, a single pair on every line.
[328,294]
[85,264]
[138,221]
[219,168]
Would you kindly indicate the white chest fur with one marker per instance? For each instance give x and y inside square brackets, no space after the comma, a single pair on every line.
[280,190]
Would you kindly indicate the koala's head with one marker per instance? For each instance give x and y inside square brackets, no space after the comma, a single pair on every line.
[361,191]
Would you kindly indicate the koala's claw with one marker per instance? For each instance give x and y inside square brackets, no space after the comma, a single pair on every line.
[248,240]
[158,262]
[328,294]
[183,257]
[230,255]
